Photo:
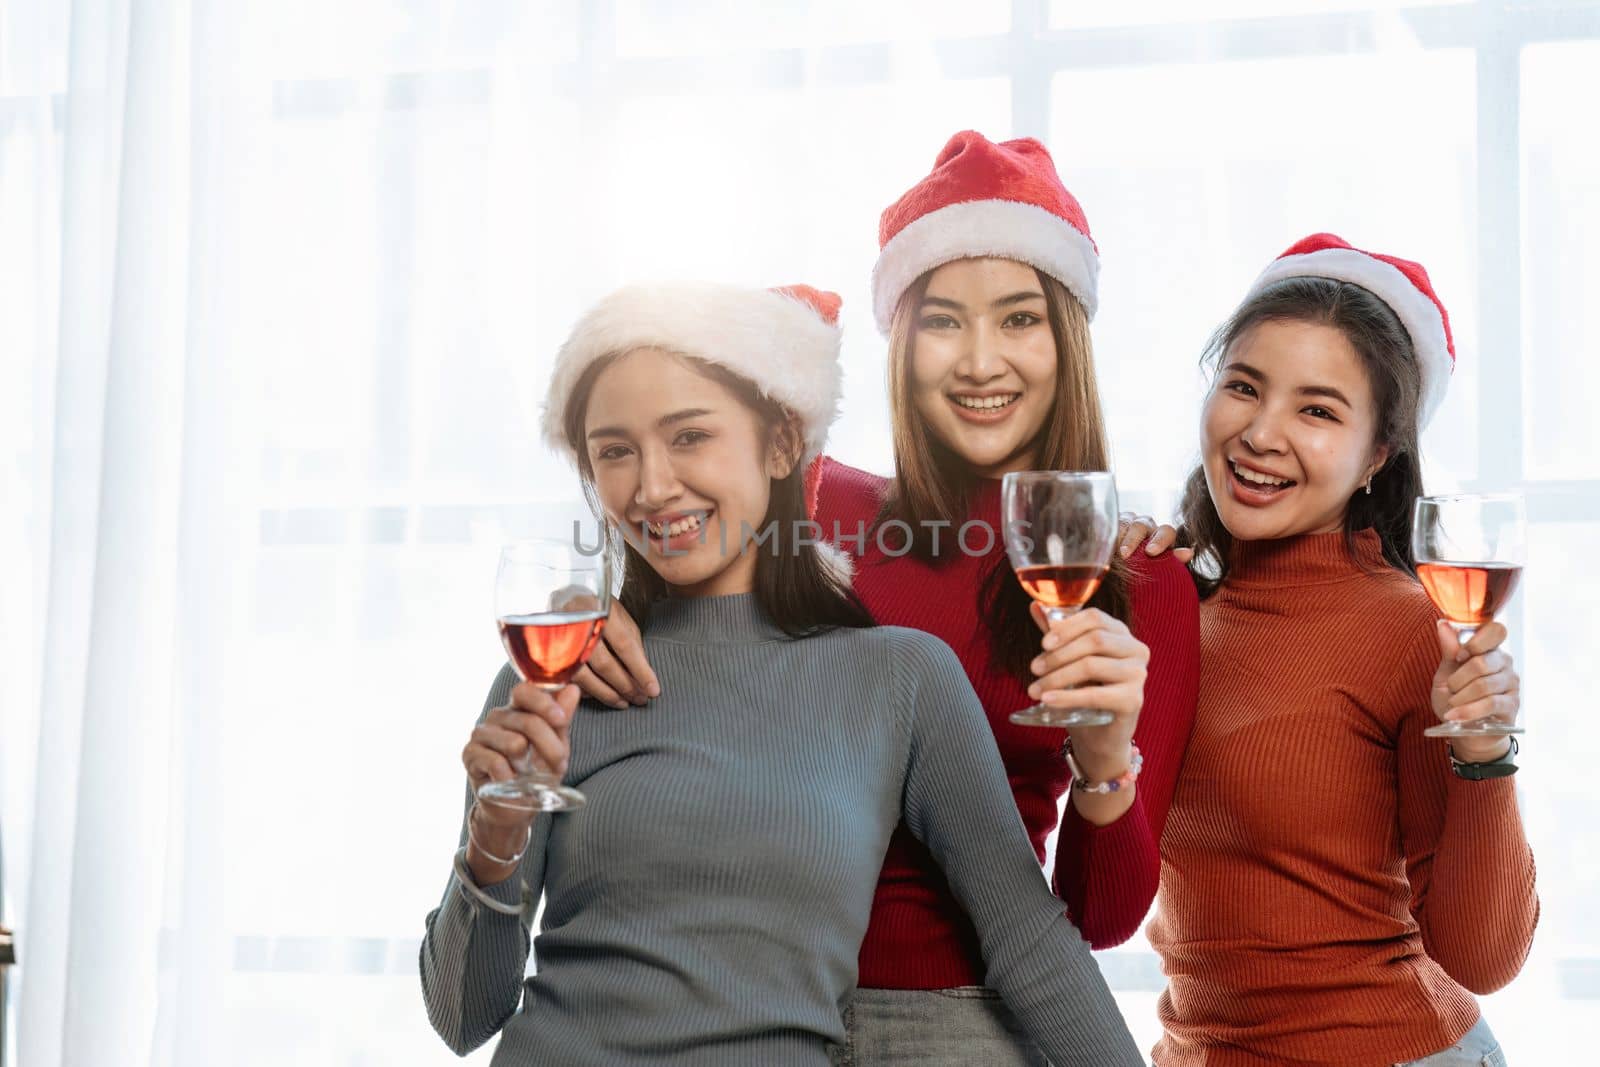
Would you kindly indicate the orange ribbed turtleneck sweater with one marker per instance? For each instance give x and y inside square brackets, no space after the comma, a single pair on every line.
[1330,891]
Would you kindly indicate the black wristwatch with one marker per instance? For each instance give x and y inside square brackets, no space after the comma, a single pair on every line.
[1503,767]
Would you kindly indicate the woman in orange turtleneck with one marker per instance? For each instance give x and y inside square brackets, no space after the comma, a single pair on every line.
[1334,885]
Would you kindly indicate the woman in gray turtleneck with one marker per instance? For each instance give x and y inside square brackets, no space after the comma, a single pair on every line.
[706,906]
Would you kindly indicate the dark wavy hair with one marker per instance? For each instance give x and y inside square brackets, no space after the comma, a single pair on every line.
[1390,361]
[799,591]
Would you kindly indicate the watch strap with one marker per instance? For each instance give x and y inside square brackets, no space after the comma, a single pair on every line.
[1504,767]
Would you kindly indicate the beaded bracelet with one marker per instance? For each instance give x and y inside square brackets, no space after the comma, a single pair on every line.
[1084,783]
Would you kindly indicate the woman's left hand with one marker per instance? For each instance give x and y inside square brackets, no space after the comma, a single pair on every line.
[1475,681]
[1142,529]
[1091,660]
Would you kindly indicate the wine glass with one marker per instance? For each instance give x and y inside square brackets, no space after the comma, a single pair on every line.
[1060,527]
[550,602]
[1469,551]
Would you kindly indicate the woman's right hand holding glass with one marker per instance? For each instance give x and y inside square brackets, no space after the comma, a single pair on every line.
[1476,681]
[529,732]
[617,673]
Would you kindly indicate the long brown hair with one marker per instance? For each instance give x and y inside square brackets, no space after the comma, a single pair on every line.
[934,484]
[800,592]
[1390,361]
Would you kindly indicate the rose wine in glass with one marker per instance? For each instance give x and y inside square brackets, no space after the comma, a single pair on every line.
[549,649]
[1060,528]
[1469,551]
[551,602]
[1061,587]
[1467,594]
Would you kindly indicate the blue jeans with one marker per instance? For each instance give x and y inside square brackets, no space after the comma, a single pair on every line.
[1477,1048]
[933,1027]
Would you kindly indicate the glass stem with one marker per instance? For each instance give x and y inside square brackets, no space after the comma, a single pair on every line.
[1464,631]
[1056,615]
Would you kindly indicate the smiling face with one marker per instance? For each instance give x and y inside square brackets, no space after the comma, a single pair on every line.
[983,370]
[1288,431]
[681,456]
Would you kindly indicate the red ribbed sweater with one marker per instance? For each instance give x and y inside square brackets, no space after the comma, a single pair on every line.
[1329,890]
[919,938]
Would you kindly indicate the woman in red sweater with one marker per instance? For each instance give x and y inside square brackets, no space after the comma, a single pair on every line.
[1333,882]
[985,286]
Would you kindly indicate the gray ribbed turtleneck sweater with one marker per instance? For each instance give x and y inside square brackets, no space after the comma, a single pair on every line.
[707,906]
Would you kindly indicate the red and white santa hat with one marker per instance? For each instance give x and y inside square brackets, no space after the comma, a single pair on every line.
[1399,283]
[784,340]
[985,199]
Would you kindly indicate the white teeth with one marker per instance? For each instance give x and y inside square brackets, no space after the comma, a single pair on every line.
[1260,479]
[683,525]
[985,403]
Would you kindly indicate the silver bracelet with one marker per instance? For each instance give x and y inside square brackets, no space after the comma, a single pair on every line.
[471,888]
[490,855]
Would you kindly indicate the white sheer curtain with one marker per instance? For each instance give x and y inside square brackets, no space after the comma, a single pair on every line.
[106,156]
[279,285]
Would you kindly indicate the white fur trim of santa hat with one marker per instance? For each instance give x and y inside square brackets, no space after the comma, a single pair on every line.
[1419,312]
[782,343]
[1007,229]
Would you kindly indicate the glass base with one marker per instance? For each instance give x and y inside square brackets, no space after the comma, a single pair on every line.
[1044,715]
[1473,728]
[532,793]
